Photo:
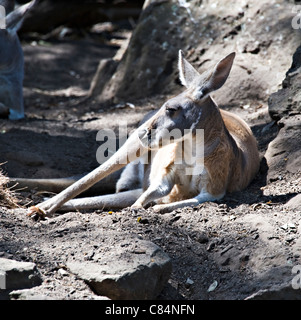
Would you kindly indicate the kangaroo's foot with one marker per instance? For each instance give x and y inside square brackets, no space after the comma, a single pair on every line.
[36,213]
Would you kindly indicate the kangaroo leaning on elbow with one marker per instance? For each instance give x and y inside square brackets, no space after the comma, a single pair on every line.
[230,154]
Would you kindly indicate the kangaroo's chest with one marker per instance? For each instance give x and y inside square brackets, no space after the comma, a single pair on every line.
[181,166]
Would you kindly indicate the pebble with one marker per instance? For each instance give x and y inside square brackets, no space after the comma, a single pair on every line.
[288,226]
[211,245]
[212,286]
[230,246]
[189,282]
[289,239]
[202,238]
[63,272]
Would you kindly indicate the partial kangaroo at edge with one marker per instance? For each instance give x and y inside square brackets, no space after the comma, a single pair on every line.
[231,158]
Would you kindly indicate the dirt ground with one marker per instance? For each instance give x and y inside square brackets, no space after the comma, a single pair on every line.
[245,243]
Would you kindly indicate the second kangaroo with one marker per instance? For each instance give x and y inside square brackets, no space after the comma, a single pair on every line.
[231,158]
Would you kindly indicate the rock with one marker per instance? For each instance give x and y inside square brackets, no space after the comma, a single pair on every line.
[282,292]
[281,282]
[105,70]
[284,152]
[213,286]
[27,294]
[189,282]
[150,67]
[294,203]
[230,246]
[286,101]
[18,275]
[63,272]
[141,72]
[137,269]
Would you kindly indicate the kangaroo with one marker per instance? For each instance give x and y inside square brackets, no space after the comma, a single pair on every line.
[11,61]
[230,153]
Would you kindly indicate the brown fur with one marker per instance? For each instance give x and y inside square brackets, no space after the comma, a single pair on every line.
[231,166]
[231,157]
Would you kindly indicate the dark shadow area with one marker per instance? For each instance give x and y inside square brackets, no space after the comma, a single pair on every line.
[41,154]
[50,14]
[71,63]
[264,134]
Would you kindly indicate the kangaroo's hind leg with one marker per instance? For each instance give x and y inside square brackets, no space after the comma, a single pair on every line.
[109,201]
[131,177]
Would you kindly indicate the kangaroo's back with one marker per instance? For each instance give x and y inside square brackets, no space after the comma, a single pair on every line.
[247,151]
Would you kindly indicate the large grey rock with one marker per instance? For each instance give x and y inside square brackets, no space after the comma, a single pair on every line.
[205,33]
[149,60]
[284,152]
[18,275]
[286,101]
[27,294]
[294,203]
[136,269]
[283,292]
[273,289]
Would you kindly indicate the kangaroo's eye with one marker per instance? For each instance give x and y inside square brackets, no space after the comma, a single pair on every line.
[172,109]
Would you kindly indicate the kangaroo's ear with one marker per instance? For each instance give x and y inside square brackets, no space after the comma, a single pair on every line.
[220,73]
[188,75]
[15,18]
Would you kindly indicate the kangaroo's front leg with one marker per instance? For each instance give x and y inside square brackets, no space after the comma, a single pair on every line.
[157,189]
[202,197]
[122,157]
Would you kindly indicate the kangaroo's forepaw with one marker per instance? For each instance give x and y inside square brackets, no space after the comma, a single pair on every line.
[36,213]
[136,207]
[161,208]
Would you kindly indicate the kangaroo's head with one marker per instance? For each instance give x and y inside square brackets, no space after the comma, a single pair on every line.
[188,109]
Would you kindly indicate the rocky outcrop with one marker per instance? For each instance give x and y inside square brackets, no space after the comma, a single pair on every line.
[284,152]
[133,270]
[17,275]
[294,203]
[205,33]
